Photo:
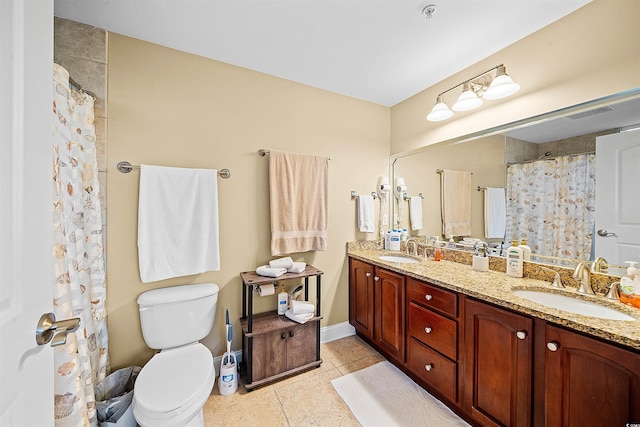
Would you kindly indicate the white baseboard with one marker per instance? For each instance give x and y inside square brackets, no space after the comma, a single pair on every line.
[327,334]
[335,332]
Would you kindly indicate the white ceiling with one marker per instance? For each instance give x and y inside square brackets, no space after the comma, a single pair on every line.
[382,51]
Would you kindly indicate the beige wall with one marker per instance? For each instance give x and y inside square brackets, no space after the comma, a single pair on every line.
[171,108]
[484,157]
[589,54]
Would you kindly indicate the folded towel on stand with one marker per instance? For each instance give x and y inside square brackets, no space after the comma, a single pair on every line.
[455,193]
[265,270]
[495,213]
[177,222]
[302,307]
[300,318]
[415,212]
[297,267]
[285,262]
[365,213]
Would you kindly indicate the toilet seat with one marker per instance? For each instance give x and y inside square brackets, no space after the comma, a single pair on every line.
[174,385]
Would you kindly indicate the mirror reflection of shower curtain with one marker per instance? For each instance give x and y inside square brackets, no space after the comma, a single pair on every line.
[79,282]
[551,204]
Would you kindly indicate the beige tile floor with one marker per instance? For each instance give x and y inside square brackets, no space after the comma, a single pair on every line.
[307,399]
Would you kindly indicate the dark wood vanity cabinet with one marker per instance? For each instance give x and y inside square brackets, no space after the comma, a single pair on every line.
[491,365]
[376,307]
[589,382]
[432,337]
[361,297]
[498,365]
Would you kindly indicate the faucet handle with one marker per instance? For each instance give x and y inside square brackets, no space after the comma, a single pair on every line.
[614,291]
[557,281]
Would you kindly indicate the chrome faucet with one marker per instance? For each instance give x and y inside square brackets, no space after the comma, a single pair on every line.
[583,274]
[415,246]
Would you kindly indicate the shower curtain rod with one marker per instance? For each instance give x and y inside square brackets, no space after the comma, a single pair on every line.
[126,167]
[549,158]
[75,85]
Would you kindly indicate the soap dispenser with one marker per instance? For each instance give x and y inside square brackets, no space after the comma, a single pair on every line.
[630,285]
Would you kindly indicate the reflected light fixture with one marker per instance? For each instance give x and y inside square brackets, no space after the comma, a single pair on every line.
[482,86]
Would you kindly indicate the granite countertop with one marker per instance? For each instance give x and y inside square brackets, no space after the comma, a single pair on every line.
[497,288]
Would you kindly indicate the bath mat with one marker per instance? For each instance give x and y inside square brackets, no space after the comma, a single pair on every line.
[382,395]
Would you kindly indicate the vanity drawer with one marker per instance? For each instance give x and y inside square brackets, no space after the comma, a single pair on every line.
[433,329]
[433,368]
[432,297]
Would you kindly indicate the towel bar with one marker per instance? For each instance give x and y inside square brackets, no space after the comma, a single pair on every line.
[126,167]
[404,196]
[355,196]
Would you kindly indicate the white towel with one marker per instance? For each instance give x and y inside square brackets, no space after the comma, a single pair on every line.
[285,262]
[300,318]
[302,307]
[365,213]
[265,270]
[297,267]
[177,222]
[415,212]
[495,213]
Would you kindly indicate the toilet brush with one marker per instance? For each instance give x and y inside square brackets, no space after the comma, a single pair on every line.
[229,369]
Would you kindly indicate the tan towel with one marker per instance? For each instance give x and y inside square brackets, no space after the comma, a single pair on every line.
[298,202]
[455,194]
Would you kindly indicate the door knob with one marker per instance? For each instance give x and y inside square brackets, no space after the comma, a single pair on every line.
[521,334]
[605,233]
[553,346]
[56,332]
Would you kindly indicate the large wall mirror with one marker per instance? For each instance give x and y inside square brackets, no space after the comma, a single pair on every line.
[582,161]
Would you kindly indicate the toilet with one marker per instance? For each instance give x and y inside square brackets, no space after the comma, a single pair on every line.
[172,388]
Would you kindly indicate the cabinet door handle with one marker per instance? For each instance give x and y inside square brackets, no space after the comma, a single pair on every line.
[427,330]
[283,336]
[521,334]
[367,274]
[376,278]
[553,346]
[428,366]
[428,297]
[291,333]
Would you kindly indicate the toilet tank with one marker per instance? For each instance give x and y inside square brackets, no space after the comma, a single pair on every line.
[177,315]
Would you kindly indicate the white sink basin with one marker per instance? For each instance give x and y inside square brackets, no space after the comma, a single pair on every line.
[398,258]
[573,305]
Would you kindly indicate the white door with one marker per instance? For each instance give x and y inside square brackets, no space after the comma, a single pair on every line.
[617,237]
[26,262]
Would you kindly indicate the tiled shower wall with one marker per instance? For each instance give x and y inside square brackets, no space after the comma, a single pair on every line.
[82,50]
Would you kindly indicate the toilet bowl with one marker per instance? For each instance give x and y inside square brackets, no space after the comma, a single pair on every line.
[172,388]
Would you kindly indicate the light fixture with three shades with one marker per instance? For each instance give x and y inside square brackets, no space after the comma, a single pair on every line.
[474,90]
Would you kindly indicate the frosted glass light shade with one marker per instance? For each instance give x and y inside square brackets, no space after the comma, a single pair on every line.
[440,111]
[502,86]
[468,100]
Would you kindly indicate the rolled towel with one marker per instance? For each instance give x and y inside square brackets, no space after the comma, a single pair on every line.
[286,262]
[297,267]
[300,318]
[302,307]
[265,270]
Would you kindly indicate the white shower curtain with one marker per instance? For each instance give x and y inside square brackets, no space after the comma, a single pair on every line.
[551,204]
[79,283]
